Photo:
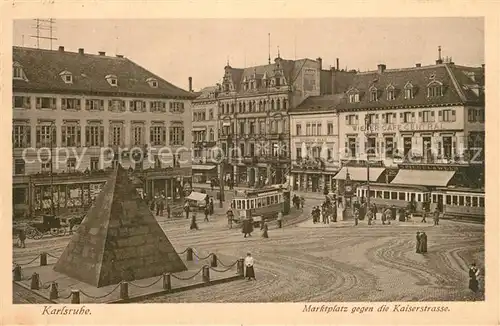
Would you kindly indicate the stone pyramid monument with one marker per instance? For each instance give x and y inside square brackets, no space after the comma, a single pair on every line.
[119,239]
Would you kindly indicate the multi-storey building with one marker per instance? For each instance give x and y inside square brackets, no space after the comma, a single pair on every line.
[205,134]
[74,112]
[253,112]
[408,121]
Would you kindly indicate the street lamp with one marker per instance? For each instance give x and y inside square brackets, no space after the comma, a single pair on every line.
[367,125]
[51,133]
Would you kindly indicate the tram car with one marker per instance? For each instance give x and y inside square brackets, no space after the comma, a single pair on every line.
[464,203]
[387,194]
[260,204]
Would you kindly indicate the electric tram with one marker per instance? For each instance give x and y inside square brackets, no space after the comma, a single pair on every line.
[260,204]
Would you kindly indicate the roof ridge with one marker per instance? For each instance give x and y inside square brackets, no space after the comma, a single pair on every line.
[455,83]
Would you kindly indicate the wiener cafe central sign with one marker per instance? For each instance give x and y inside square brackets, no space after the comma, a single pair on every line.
[392,127]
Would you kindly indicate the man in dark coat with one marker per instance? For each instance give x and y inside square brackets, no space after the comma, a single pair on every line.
[473,283]
[193,222]
[423,243]
[418,245]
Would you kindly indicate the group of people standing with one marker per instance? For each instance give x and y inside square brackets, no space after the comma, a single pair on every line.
[298,202]
[158,204]
[421,243]
[326,213]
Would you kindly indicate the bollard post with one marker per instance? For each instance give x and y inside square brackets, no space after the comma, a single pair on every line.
[213,263]
[54,294]
[206,273]
[124,290]
[35,282]
[75,296]
[167,282]
[240,269]
[43,259]
[17,273]
[189,254]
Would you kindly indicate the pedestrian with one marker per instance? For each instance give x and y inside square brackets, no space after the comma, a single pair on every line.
[302,202]
[393,212]
[230,215]
[169,211]
[265,228]
[419,239]
[473,275]
[386,215]
[206,211]
[356,216]
[424,216]
[280,219]
[186,209]
[193,222]
[245,227]
[22,239]
[423,248]
[369,216]
[211,206]
[157,204]
[249,271]
[436,216]
[152,205]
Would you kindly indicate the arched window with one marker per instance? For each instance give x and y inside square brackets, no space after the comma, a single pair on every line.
[272,104]
[284,104]
[212,138]
[278,104]
[240,107]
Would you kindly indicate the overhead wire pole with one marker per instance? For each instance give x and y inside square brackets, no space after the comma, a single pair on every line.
[44,25]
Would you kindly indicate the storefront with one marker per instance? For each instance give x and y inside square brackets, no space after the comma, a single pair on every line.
[204,173]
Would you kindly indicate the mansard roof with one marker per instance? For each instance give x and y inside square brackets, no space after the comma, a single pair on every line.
[42,68]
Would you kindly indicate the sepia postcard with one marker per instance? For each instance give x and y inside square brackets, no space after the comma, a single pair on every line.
[250,163]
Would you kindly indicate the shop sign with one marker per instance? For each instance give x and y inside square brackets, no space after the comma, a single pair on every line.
[393,127]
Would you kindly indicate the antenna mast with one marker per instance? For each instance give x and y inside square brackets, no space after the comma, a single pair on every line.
[44,25]
[269,47]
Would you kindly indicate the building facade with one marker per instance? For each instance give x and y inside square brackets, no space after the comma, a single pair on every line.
[419,118]
[76,114]
[205,134]
[254,125]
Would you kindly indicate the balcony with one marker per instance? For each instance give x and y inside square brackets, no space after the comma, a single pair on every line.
[307,163]
[65,177]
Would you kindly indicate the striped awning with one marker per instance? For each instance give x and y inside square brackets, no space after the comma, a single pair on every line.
[423,177]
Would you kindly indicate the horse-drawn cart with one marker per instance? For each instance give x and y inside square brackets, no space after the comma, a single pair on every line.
[49,224]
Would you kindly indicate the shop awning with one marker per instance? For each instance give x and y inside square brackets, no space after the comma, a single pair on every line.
[423,178]
[359,174]
[197,196]
[203,167]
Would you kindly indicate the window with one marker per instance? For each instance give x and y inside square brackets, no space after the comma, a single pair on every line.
[402,195]
[138,135]
[298,129]
[71,135]
[94,105]
[389,147]
[329,128]
[210,114]
[176,107]
[242,128]
[447,115]
[352,146]
[19,166]
[408,117]
[351,119]
[252,128]
[21,136]
[391,93]
[389,117]
[308,129]
[70,104]
[116,134]
[427,116]
[137,106]
[435,90]
[46,136]
[409,91]
[112,80]
[353,98]
[158,135]
[71,164]
[394,195]
[17,72]
[373,94]
[94,135]
[371,149]
[94,163]
[153,83]
[46,103]
[176,135]
[22,102]
[318,128]
[371,119]
[157,106]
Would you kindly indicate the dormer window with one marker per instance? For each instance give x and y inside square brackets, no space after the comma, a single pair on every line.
[152,82]
[353,96]
[373,94]
[67,77]
[409,91]
[112,80]
[434,89]
[18,72]
[391,93]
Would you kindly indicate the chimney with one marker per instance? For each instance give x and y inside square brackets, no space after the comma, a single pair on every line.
[102,53]
[482,65]
[381,68]
[80,51]
[320,61]
[190,84]
[337,63]
[61,48]
[439,60]
[418,65]
[119,56]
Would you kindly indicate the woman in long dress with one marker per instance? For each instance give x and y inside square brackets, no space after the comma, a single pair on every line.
[249,271]
[423,243]
[264,230]
[418,246]
[473,273]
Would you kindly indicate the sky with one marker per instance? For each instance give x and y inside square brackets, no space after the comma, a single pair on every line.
[176,49]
